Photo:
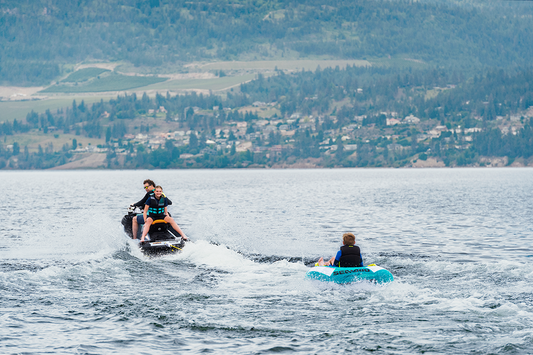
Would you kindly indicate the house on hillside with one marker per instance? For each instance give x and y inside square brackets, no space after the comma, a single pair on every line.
[472,130]
[307,125]
[434,133]
[392,121]
[411,120]
[243,147]
[350,147]
[288,133]
[395,147]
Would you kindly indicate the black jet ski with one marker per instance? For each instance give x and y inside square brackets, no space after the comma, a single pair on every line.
[161,238]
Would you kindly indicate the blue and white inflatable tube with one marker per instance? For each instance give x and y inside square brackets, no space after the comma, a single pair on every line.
[345,275]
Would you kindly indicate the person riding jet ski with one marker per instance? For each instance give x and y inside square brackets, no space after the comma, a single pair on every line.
[149,187]
[155,209]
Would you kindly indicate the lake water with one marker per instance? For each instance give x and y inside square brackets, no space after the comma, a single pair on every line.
[458,242]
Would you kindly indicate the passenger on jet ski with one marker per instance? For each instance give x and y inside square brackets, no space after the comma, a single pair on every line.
[155,208]
[149,187]
[348,256]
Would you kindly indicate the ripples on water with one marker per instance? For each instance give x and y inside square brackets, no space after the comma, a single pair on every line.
[458,242]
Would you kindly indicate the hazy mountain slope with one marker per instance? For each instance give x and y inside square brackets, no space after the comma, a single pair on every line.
[38,36]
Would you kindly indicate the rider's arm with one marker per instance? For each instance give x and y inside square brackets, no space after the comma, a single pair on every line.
[143,201]
[337,258]
[145,212]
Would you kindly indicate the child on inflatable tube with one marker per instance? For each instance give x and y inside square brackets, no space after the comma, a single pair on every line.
[348,256]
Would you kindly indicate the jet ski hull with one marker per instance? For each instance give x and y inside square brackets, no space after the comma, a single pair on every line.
[161,239]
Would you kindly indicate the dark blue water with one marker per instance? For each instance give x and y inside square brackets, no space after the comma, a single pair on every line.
[458,241]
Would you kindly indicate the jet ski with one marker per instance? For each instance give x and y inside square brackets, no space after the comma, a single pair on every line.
[161,239]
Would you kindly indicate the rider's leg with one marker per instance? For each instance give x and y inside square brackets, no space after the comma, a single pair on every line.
[134,227]
[174,225]
[147,225]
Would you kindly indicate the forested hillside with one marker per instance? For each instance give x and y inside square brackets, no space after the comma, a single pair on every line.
[483,97]
[37,37]
[332,117]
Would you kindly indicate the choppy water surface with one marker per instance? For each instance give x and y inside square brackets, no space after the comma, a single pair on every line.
[458,241]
